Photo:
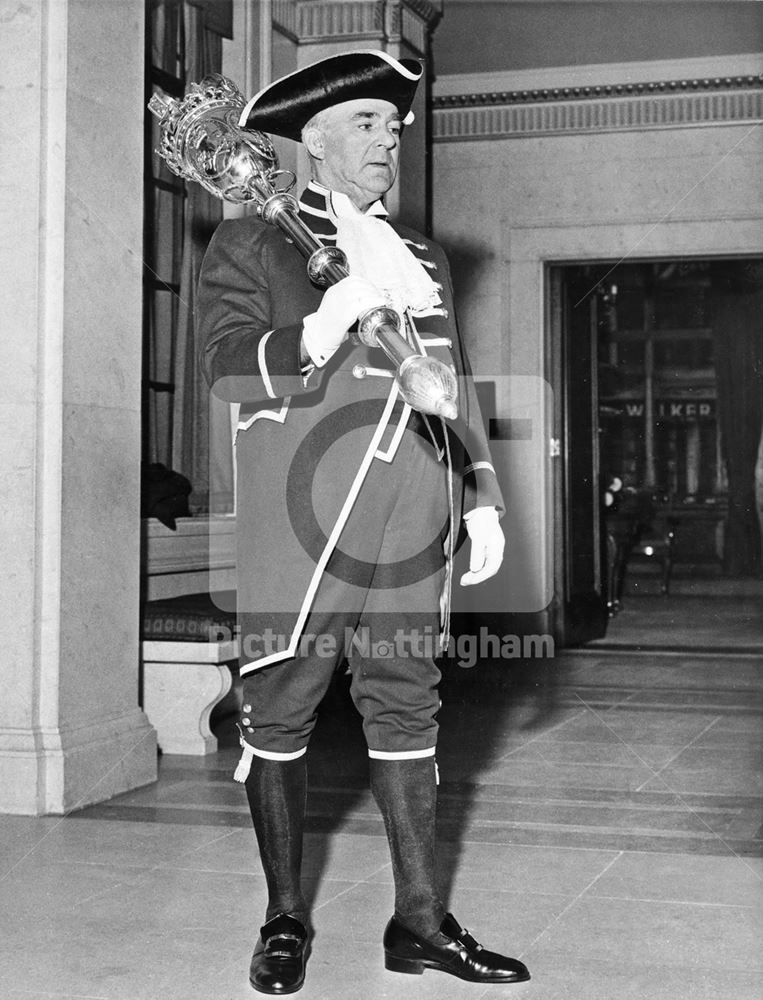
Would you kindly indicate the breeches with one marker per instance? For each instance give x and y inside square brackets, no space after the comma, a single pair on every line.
[377,608]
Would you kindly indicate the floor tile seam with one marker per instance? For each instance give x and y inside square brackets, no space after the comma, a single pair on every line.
[622,650]
[579,848]
[507,794]
[210,807]
[516,794]
[680,706]
[355,885]
[647,673]
[496,890]
[559,725]
[224,835]
[646,845]
[685,970]
[99,864]
[743,743]
[703,833]
[170,867]
[688,706]
[601,830]
[724,840]
[54,996]
[164,817]
[660,778]
[79,804]
[613,806]
[498,792]
[78,863]
[257,874]
[675,757]
[545,765]
[620,964]
[593,746]
[748,651]
[676,902]
[668,687]
[145,871]
[570,905]
[587,765]
[568,691]
[688,711]
[590,793]
[108,892]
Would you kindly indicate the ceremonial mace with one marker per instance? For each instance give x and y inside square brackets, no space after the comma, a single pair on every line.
[202,141]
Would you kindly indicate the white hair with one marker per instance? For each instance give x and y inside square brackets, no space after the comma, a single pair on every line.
[318,122]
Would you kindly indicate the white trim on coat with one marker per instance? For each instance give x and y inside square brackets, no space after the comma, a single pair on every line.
[401,754]
[274,754]
[263,367]
[331,542]
[479,465]
[279,416]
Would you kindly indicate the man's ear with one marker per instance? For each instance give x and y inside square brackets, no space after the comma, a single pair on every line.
[312,139]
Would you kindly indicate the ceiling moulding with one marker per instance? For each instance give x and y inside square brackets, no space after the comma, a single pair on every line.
[547,78]
[308,21]
[598,108]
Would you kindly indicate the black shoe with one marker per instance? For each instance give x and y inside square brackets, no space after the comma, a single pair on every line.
[278,962]
[459,955]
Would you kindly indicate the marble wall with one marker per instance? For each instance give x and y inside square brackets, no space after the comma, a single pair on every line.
[71,731]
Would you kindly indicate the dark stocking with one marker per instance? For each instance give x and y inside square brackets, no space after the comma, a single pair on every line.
[406,793]
[276,791]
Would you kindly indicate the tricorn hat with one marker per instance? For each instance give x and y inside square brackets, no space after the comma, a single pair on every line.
[286,106]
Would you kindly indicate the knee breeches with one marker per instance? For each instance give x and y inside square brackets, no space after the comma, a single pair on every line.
[383,623]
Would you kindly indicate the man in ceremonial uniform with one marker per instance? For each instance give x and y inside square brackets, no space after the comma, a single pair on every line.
[349,503]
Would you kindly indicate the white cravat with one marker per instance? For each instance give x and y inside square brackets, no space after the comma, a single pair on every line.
[375,252]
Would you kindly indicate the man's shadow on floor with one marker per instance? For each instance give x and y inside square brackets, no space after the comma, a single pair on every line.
[484,707]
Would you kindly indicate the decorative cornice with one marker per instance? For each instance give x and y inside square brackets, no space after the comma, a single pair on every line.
[311,21]
[616,108]
[284,17]
[305,21]
[591,93]
[427,11]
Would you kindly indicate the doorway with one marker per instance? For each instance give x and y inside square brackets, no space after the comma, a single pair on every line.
[658,369]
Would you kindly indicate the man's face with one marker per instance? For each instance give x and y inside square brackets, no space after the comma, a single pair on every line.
[358,149]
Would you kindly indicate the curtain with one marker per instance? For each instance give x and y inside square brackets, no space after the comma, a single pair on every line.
[201,445]
[737,320]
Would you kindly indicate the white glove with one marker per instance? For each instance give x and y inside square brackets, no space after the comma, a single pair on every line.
[487,544]
[340,307]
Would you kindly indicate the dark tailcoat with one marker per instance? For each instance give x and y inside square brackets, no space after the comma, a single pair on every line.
[311,442]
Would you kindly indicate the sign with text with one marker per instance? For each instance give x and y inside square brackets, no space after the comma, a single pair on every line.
[683,410]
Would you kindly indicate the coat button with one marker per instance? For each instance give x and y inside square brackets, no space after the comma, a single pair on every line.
[359,371]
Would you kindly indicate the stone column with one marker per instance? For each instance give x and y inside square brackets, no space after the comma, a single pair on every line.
[71,731]
[307,30]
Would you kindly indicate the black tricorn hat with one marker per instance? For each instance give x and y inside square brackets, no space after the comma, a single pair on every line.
[286,106]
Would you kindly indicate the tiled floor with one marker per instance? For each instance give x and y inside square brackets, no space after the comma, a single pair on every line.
[600,819]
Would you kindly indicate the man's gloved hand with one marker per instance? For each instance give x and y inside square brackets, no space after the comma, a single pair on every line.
[487,544]
[340,307]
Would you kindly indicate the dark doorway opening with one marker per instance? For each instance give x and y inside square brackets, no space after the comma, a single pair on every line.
[660,376]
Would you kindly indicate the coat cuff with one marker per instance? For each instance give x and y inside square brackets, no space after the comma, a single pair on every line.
[481,488]
[278,361]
